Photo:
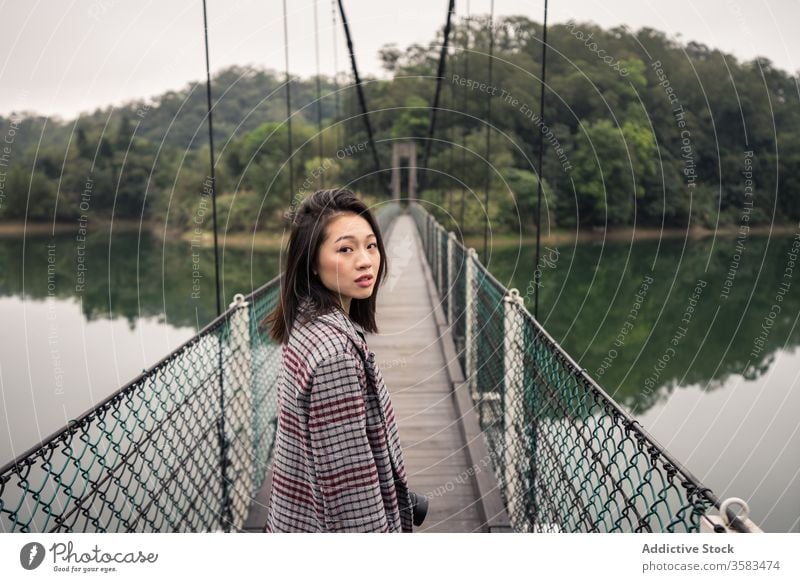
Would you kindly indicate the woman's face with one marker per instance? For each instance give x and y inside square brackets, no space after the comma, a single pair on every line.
[349,252]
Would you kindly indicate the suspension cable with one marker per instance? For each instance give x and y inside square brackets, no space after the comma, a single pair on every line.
[439,77]
[488,139]
[465,127]
[319,92]
[536,270]
[360,90]
[212,161]
[451,134]
[226,512]
[288,103]
[336,76]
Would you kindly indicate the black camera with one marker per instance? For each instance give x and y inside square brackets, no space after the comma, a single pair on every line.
[419,507]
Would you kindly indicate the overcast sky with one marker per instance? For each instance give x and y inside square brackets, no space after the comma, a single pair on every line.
[62,57]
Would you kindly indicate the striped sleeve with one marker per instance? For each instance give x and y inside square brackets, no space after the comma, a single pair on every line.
[343,459]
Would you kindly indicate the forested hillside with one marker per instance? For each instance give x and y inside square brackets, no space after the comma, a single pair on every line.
[638,128]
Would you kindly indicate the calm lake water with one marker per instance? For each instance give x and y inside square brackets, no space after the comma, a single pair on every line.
[677,335]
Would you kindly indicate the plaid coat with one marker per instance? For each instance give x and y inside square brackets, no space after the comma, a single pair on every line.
[337,463]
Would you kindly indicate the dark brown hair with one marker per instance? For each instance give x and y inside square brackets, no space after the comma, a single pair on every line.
[308,232]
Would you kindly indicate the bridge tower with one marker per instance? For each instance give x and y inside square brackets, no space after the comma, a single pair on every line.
[404,151]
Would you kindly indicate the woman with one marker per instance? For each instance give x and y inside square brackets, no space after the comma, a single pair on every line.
[337,463]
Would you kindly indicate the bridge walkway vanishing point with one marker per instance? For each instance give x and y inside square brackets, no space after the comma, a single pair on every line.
[410,353]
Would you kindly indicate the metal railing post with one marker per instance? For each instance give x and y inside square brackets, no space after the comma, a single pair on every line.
[433,249]
[434,244]
[513,379]
[451,253]
[439,235]
[427,220]
[239,410]
[435,255]
[428,237]
[471,308]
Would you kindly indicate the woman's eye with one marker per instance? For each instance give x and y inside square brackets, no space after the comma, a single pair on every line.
[341,250]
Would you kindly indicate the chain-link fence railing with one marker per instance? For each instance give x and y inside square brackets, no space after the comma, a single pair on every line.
[567,458]
[182,448]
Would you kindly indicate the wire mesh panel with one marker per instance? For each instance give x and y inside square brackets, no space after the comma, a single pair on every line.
[567,458]
[266,361]
[146,459]
[489,373]
[592,467]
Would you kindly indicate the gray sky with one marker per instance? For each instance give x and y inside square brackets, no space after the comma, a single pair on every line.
[61,57]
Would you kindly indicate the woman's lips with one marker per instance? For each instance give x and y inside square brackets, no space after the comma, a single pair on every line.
[365,282]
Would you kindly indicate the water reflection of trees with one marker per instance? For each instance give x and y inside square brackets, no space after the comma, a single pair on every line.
[132,276]
[586,298]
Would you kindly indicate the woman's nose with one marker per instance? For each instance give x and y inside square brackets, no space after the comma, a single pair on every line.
[364,258]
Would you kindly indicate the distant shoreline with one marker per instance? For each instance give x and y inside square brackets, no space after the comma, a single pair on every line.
[235,239]
[16,228]
[627,233]
[265,241]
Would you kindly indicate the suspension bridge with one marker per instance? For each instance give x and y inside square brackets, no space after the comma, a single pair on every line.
[501,429]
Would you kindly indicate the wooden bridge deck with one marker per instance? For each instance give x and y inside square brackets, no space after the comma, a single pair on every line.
[443,449]
[412,361]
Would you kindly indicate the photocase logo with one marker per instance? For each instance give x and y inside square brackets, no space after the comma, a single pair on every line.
[31,555]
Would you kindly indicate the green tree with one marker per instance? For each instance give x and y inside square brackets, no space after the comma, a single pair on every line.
[612,165]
